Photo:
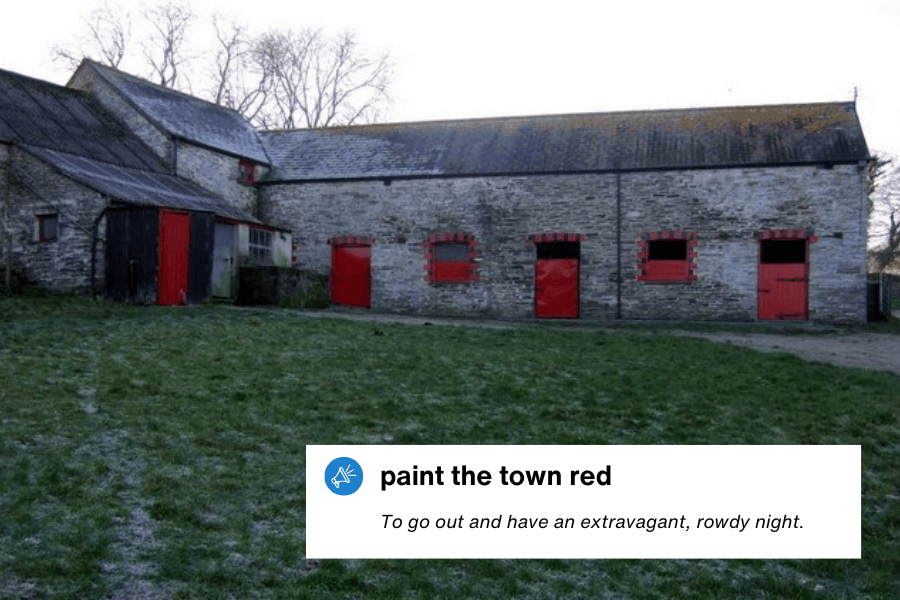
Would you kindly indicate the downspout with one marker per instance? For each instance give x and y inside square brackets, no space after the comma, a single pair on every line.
[175,156]
[7,229]
[618,245]
[95,234]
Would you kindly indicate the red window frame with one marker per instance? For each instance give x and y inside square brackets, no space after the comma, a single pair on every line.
[450,271]
[247,172]
[652,269]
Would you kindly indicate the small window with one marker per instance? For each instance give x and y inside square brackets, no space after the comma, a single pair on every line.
[48,226]
[558,249]
[450,258]
[667,257]
[773,252]
[260,246]
[247,172]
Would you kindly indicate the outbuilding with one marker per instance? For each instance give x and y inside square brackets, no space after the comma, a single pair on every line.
[744,213]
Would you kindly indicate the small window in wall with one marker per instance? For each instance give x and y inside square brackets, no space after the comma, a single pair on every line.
[450,257]
[260,246]
[667,257]
[558,249]
[247,172]
[48,226]
[782,252]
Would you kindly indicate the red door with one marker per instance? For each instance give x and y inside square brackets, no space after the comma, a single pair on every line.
[174,255]
[783,285]
[556,288]
[351,275]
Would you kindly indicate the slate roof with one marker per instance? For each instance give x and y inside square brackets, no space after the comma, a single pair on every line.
[620,141]
[49,116]
[187,117]
[138,187]
[72,133]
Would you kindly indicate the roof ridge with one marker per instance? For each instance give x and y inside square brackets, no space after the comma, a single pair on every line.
[573,115]
[161,88]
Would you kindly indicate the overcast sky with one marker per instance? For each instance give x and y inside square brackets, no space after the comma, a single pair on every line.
[484,58]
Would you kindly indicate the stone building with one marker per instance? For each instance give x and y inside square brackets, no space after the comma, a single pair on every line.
[720,213]
[106,184]
[701,214]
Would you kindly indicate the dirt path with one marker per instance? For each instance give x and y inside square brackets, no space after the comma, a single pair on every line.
[876,351]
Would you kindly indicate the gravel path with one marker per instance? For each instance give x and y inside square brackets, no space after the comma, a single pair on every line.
[876,351]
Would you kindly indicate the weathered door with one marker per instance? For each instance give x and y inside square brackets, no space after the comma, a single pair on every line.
[351,275]
[223,261]
[783,288]
[174,256]
[556,275]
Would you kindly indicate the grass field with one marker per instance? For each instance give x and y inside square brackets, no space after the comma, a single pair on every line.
[156,453]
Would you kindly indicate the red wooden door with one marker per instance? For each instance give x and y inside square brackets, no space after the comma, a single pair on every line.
[174,255]
[783,280]
[351,275]
[556,288]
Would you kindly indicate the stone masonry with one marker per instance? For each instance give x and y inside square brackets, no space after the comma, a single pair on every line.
[727,209]
[63,263]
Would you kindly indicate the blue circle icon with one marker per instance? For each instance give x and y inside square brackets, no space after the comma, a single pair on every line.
[343,476]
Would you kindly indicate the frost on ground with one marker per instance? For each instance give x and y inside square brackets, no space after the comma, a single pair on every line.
[131,571]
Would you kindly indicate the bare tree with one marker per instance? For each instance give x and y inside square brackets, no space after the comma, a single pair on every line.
[108,32]
[277,79]
[884,217]
[317,82]
[164,49]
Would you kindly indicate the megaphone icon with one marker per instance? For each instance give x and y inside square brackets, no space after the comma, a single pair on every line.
[342,476]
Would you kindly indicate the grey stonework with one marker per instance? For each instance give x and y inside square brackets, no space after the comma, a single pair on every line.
[215,171]
[87,80]
[62,264]
[727,208]
[218,173]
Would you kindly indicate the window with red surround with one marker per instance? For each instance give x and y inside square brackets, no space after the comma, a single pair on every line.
[450,257]
[247,172]
[667,256]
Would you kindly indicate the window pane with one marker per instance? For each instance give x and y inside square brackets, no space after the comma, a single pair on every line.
[782,252]
[451,252]
[47,227]
[546,250]
[667,250]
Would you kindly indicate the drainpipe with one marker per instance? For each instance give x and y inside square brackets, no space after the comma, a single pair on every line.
[175,156]
[95,234]
[7,209]
[618,244]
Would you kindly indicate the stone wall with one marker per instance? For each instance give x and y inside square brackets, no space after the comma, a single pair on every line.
[218,173]
[88,80]
[63,264]
[725,209]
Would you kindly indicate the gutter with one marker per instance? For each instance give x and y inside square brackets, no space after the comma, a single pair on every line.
[607,171]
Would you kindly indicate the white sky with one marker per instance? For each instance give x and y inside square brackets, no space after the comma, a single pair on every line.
[483,58]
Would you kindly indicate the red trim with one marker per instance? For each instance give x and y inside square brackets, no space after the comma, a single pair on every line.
[540,238]
[787,234]
[247,172]
[457,271]
[254,225]
[667,270]
[351,240]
